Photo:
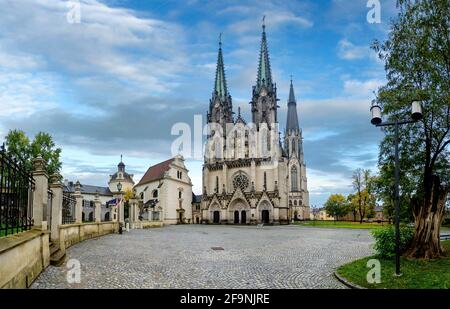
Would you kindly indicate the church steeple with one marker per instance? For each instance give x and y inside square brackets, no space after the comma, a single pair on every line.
[292,119]
[220,106]
[264,77]
[264,100]
[293,136]
[220,85]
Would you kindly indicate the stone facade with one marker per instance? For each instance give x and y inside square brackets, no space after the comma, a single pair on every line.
[249,176]
[165,192]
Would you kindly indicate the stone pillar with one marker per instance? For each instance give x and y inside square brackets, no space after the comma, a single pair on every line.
[121,210]
[79,205]
[57,201]
[97,208]
[40,194]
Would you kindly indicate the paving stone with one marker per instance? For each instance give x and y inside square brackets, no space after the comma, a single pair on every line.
[181,257]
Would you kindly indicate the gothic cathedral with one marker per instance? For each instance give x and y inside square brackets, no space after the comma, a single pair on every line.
[250,174]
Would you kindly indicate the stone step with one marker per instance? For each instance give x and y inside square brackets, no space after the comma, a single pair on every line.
[53,248]
[58,258]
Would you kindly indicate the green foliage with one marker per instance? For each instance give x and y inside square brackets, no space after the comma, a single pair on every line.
[336,206]
[416,274]
[363,200]
[385,240]
[416,56]
[18,145]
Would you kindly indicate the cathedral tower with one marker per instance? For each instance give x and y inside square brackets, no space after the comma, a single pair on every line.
[220,106]
[264,100]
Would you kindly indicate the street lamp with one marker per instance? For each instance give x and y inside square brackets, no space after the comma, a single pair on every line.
[119,189]
[416,115]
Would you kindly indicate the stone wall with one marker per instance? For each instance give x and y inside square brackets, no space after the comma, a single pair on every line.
[146,224]
[71,234]
[22,258]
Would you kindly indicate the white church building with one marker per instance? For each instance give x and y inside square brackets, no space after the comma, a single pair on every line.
[250,175]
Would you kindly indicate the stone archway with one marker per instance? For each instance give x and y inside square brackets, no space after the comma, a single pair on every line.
[214,213]
[238,210]
[265,212]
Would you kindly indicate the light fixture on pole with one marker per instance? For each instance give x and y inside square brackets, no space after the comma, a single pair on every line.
[416,115]
[119,189]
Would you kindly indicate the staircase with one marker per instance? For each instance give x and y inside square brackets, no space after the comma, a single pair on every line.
[57,256]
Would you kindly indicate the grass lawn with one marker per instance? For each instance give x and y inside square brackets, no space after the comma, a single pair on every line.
[342,224]
[415,274]
[445,229]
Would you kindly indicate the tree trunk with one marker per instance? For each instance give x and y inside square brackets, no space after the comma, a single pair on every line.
[428,215]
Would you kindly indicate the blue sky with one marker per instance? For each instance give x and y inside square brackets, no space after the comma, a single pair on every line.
[116,82]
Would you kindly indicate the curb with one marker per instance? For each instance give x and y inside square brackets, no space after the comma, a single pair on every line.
[348,283]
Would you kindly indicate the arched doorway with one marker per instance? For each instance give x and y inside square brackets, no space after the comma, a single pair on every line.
[91,216]
[83,217]
[243,217]
[107,216]
[236,217]
[265,216]
[296,215]
[216,216]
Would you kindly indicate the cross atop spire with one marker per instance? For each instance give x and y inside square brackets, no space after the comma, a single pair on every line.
[264,77]
[220,85]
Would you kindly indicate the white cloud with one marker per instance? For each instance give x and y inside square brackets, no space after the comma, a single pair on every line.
[357,88]
[112,42]
[349,51]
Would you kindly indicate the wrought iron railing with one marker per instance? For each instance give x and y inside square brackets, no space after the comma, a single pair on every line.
[88,211]
[16,195]
[68,209]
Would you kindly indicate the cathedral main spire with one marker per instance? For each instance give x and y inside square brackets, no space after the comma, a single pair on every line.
[292,119]
[264,77]
[220,105]
[220,85]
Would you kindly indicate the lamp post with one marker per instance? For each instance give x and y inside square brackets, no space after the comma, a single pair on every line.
[416,115]
[119,189]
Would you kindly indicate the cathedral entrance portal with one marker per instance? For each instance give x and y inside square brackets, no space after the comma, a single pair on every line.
[216,216]
[243,217]
[265,216]
[236,217]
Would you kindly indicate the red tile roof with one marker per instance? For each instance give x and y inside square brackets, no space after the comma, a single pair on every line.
[156,172]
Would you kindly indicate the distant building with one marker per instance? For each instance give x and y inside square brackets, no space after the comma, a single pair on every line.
[89,192]
[196,211]
[320,214]
[165,192]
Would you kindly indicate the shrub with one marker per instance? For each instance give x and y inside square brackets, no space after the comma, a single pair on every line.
[385,240]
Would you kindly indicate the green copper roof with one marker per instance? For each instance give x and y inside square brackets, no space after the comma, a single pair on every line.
[220,85]
[264,75]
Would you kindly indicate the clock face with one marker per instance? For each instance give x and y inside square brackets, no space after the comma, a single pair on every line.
[217,105]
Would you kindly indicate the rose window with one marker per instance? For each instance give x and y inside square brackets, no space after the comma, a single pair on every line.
[240,181]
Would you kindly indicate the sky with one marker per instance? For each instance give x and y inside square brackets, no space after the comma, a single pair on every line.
[116,80]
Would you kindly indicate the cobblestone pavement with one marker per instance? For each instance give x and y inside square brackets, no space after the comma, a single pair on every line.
[182,257]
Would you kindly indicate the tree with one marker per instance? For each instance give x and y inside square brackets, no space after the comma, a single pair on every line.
[364,200]
[18,146]
[336,206]
[352,205]
[417,64]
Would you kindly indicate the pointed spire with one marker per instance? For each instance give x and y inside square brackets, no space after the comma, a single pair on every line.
[292,118]
[291,93]
[220,85]
[264,77]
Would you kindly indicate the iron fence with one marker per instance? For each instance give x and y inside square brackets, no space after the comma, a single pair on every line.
[16,195]
[68,209]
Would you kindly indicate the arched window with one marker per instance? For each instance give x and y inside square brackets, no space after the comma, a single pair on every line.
[217,184]
[179,194]
[265,181]
[155,193]
[294,179]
